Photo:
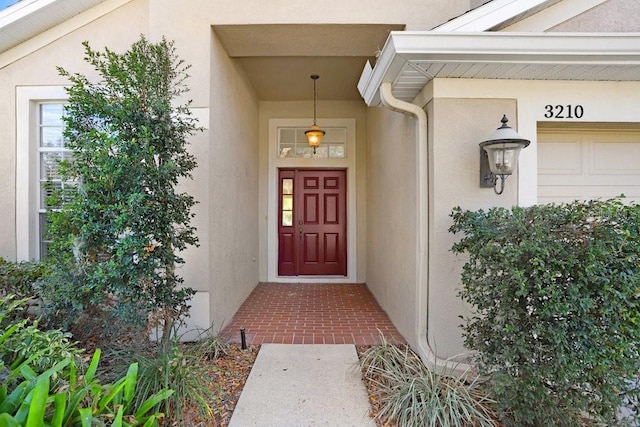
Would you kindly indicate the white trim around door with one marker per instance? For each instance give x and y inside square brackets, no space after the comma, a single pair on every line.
[276,162]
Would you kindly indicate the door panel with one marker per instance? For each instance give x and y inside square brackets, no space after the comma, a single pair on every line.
[319,219]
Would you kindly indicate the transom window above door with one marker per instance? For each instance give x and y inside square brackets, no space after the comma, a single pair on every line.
[292,143]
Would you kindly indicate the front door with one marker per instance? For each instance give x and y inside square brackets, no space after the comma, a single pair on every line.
[312,224]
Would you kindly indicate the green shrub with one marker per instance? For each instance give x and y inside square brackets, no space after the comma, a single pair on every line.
[19,278]
[122,232]
[414,395]
[556,308]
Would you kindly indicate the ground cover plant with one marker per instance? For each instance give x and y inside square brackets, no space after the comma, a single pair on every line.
[44,381]
[196,384]
[555,294]
[405,392]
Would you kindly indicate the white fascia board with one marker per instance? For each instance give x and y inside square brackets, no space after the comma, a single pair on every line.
[388,66]
[22,9]
[542,48]
[501,47]
[488,15]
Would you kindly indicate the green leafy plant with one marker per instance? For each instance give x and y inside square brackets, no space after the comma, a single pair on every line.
[45,386]
[22,340]
[19,278]
[414,395]
[555,292]
[77,400]
[182,372]
[122,224]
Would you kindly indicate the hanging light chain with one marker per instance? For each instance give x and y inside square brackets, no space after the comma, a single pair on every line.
[314,77]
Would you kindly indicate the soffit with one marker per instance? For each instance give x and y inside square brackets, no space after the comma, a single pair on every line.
[28,18]
[410,60]
[279,58]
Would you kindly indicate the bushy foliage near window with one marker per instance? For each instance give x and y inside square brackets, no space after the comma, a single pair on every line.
[555,293]
[19,278]
[118,235]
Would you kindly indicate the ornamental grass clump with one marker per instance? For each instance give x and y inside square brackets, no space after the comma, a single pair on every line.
[555,298]
[183,369]
[412,394]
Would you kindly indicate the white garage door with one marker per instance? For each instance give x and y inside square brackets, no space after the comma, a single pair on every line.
[588,164]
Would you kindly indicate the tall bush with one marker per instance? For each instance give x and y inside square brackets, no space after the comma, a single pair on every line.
[555,293]
[122,221]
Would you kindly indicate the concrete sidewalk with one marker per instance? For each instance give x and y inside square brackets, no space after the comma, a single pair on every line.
[294,385]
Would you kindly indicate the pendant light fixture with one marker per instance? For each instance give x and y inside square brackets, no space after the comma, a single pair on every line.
[314,133]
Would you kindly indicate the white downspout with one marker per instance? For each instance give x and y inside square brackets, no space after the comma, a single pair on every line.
[422,242]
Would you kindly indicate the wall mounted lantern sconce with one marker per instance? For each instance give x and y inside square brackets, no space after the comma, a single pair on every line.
[499,156]
[314,133]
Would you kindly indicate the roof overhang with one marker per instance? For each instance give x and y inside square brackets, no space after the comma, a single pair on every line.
[28,18]
[410,60]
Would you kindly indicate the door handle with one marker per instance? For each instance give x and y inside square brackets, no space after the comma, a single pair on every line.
[300,222]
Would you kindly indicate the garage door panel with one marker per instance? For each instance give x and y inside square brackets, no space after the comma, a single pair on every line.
[561,158]
[586,180]
[613,158]
[586,165]
[580,193]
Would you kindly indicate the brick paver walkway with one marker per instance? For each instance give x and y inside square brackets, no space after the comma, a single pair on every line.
[311,314]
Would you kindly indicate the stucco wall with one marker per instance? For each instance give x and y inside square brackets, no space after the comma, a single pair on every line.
[458,126]
[611,16]
[232,205]
[416,14]
[391,215]
[39,69]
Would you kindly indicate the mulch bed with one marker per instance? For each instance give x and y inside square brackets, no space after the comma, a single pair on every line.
[372,391]
[229,373]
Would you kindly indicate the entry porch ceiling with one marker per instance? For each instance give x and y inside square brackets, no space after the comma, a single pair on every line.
[279,58]
[410,60]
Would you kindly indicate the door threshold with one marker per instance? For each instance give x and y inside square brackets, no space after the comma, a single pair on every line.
[313,279]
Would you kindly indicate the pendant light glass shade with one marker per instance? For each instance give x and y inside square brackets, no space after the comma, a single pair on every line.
[314,136]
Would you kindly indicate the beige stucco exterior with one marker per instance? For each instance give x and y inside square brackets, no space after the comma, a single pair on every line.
[611,16]
[391,218]
[238,90]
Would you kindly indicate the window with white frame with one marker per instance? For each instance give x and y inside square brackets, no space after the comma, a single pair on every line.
[39,143]
[51,150]
[292,142]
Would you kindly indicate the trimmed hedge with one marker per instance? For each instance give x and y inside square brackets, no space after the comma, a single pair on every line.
[556,309]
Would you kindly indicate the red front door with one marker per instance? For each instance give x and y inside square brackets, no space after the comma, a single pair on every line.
[312,222]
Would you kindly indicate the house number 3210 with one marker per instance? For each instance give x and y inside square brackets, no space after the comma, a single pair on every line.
[563,111]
